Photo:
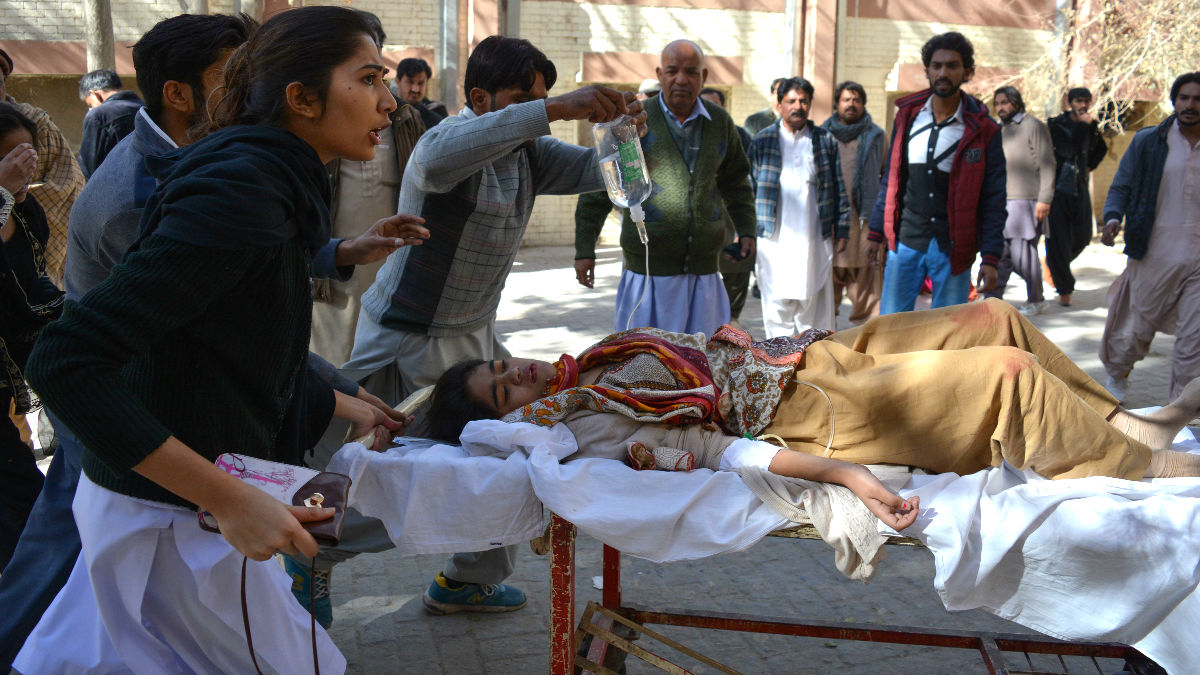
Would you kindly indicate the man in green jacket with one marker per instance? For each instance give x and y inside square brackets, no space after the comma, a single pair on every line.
[699,173]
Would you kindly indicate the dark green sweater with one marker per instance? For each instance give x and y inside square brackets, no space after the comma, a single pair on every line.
[202,342]
[685,214]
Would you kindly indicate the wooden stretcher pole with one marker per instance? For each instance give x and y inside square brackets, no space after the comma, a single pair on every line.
[611,593]
[562,596]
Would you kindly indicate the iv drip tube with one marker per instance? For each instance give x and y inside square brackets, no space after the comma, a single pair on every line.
[639,219]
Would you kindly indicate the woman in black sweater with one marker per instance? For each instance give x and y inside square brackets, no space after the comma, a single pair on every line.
[196,345]
[28,301]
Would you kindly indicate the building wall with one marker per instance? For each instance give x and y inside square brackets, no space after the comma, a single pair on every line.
[59,20]
[875,42]
[567,30]
[874,53]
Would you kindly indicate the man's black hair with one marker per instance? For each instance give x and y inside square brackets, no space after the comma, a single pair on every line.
[99,80]
[1012,94]
[956,42]
[1079,93]
[1186,78]
[776,82]
[411,67]
[790,83]
[501,62]
[852,86]
[181,48]
[715,92]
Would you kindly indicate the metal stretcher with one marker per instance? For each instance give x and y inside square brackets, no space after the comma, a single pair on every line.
[613,625]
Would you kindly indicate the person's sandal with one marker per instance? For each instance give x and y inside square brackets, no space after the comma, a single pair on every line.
[639,457]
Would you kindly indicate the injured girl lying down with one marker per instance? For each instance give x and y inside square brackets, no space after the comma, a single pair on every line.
[955,389]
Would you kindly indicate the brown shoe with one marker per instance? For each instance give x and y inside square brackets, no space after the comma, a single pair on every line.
[1065,300]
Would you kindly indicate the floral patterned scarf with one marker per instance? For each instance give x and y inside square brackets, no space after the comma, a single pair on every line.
[657,376]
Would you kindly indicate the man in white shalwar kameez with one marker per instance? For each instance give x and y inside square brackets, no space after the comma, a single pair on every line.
[799,196]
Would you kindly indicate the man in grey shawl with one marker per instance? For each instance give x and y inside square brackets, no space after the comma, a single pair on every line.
[860,153]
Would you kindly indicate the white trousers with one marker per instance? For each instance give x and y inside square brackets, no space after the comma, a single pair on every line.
[790,316]
[153,593]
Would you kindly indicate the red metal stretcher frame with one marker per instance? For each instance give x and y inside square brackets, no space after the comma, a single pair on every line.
[562,620]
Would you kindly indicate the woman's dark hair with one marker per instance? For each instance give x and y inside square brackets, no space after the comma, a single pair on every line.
[851,86]
[413,66]
[956,42]
[1012,94]
[300,45]
[1186,78]
[376,25]
[502,62]
[181,48]
[793,83]
[451,406]
[11,120]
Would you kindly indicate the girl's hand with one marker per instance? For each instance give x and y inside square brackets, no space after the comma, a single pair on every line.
[368,419]
[895,511]
[258,525]
[17,168]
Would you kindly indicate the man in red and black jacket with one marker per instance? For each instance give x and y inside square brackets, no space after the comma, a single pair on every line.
[943,194]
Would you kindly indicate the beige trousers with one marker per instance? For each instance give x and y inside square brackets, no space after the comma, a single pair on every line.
[955,389]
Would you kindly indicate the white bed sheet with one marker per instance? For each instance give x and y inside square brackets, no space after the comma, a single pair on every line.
[1090,559]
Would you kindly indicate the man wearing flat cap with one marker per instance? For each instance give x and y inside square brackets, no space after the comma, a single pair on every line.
[57,180]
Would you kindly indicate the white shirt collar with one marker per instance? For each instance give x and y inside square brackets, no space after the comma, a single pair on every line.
[958,114]
[804,130]
[146,118]
[698,110]
[1177,134]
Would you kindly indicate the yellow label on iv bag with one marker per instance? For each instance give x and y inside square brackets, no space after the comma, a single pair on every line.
[631,165]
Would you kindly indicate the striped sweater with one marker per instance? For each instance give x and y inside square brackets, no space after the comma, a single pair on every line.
[474,179]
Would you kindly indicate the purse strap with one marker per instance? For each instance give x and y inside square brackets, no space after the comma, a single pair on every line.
[246,619]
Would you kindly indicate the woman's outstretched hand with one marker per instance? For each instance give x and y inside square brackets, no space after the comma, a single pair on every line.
[895,511]
[384,237]
[888,506]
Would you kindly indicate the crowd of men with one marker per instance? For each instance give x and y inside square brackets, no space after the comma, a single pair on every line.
[818,212]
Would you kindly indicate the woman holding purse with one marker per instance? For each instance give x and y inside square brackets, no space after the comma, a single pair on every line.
[196,345]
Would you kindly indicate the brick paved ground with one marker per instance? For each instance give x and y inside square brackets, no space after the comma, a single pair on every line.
[382,628]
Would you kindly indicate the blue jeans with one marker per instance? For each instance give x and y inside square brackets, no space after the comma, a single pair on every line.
[905,272]
[45,553]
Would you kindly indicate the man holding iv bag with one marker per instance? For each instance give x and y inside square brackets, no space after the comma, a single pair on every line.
[698,173]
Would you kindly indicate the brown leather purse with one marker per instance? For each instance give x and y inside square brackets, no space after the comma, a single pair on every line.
[292,485]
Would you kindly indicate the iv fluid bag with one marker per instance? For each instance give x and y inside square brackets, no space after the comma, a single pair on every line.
[621,162]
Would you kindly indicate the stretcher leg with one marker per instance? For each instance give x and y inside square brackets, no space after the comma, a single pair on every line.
[562,596]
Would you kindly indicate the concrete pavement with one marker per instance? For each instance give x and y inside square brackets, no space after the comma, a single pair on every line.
[382,628]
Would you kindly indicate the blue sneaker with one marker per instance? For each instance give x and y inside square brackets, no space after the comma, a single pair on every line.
[314,586]
[444,598]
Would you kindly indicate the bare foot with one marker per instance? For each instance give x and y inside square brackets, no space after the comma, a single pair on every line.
[1172,464]
[1158,429]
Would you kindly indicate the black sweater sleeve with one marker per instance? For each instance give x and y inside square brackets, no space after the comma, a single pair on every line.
[76,364]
